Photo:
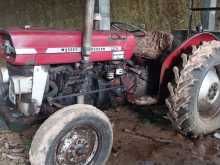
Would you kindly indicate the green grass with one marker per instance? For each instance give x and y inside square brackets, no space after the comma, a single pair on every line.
[155,14]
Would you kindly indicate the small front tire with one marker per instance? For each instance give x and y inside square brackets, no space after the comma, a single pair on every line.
[77,134]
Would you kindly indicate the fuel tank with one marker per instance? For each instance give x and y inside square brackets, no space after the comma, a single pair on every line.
[36,46]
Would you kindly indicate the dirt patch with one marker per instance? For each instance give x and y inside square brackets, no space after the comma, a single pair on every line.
[146,138]
[12,149]
[142,138]
[144,141]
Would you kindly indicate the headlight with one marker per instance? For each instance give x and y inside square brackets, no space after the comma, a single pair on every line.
[8,48]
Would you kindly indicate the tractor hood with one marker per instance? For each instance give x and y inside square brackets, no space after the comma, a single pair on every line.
[42,43]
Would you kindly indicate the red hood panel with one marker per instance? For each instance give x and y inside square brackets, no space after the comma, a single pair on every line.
[35,46]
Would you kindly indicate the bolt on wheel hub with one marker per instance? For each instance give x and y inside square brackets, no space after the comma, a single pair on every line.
[212,93]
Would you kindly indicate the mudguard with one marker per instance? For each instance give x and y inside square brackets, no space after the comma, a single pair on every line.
[196,40]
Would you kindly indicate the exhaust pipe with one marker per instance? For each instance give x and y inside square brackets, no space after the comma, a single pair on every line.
[87,40]
[88,28]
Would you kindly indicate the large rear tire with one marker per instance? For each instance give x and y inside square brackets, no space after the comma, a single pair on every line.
[194,100]
[78,134]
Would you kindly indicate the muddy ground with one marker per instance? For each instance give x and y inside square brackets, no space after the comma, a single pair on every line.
[142,136]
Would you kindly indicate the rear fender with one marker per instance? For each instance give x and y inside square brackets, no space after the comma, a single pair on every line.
[196,40]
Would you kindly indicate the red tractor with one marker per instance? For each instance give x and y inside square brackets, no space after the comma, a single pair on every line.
[64,75]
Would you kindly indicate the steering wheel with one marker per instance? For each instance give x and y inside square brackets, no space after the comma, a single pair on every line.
[120,26]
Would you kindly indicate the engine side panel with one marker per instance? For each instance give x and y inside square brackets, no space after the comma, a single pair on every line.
[39,47]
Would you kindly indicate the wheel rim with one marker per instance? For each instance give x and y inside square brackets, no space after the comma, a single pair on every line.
[209,95]
[79,146]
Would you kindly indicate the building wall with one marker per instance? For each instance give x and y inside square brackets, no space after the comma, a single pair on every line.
[155,14]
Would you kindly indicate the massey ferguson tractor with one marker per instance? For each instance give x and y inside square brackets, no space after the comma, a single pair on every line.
[62,76]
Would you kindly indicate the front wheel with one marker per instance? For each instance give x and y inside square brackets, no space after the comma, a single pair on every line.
[78,134]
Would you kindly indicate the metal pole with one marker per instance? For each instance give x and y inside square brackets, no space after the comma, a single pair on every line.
[103,9]
[208,17]
[212,17]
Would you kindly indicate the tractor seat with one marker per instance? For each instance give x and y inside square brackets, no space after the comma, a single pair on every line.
[153,44]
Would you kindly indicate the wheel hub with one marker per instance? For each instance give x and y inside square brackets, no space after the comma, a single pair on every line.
[209,94]
[77,147]
[212,93]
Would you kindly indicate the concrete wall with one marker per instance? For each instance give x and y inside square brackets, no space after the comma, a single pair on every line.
[155,14]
